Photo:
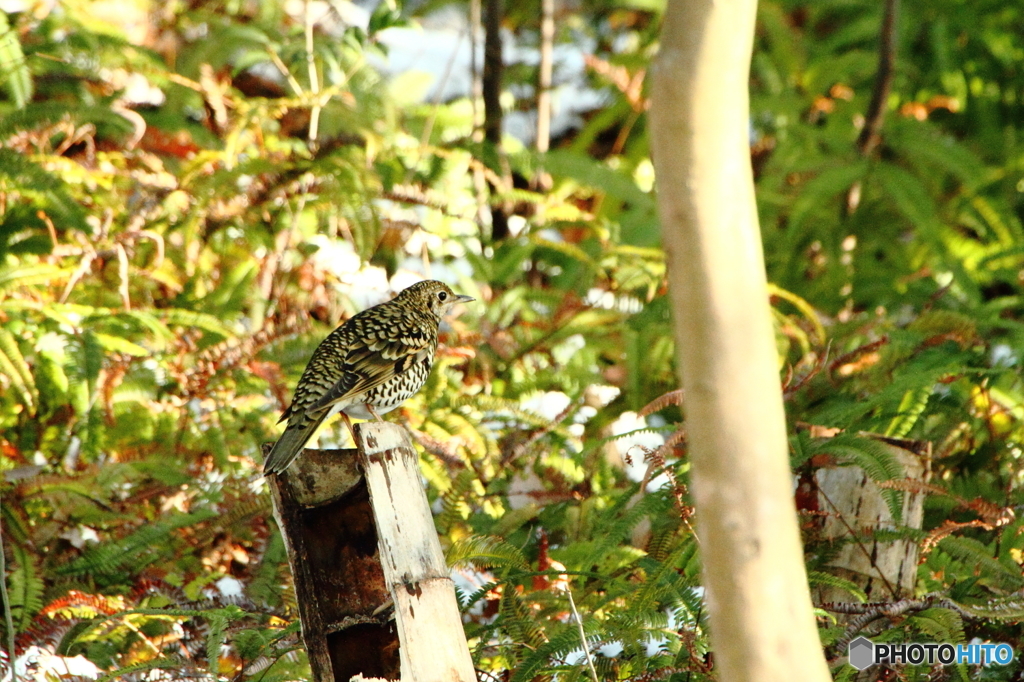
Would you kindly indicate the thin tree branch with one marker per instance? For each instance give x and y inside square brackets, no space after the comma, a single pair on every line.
[492,79]
[870,134]
[875,115]
[583,635]
[479,182]
[547,58]
[314,79]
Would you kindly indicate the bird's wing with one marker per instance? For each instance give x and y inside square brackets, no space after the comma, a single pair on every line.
[370,362]
[290,444]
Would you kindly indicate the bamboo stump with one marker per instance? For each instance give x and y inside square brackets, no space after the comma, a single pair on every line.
[886,571]
[361,537]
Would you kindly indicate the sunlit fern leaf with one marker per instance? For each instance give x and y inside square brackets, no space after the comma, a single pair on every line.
[664,584]
[13,277]
[26,587]
[180,665]
[555,649]
[454,507]
[978,556]
[13,365]
[820,578]
[215,641]
[909,411]
[113,556]
[189,319]
[502,407]
[939,624]
[485,551]
[14,71]
[874,457]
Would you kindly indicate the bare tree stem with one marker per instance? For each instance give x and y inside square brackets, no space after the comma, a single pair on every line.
[547,59]
[875,115]
[759,603]
[492,80]
[314,79]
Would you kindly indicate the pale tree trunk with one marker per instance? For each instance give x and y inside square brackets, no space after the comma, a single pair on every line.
[762,624]
[544,74]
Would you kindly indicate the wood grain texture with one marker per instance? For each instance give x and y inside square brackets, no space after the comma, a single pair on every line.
[433,642]
[322,507]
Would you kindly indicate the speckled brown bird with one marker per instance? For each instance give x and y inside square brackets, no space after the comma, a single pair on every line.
[369,365]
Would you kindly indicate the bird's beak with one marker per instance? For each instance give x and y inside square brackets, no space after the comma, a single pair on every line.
[459,298]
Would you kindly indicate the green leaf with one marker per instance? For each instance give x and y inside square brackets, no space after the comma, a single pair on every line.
[874,457]
[908,194]
[14,72]
[911,408]
[818,578]
[13,364]
[591,173]
[485,551]
[26,588]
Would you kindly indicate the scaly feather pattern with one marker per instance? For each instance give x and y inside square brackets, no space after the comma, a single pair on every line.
[369,365]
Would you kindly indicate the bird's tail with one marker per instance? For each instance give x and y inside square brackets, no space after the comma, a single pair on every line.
[290,445]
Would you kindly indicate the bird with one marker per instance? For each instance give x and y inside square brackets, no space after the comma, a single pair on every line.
[368,366]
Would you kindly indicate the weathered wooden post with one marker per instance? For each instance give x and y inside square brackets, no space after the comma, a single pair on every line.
[359,532]
[885,570]
[432,640]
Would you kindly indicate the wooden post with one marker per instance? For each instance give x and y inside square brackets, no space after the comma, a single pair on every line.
[885,570]
[433,642]
[322,507]
[359,532]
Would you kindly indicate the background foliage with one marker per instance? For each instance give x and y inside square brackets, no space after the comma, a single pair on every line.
[173,246]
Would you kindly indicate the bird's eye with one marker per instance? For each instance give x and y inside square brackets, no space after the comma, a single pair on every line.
[442,295]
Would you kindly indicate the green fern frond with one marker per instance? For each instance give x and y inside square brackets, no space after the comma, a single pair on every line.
[940,624]
[163,663]
[468,600]
[189,319]
[13,277]
[517,619]
[241,510]
[111,557]
[975,554]
[12,363]
[820,578]
[14,71]
[664,584]
[1005,608]
[502,407]
[874,457]
[26,588]
[485,551]
[454,508]
[910,410]
[36,115]
[618,524]
[215,641]
[556,649]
